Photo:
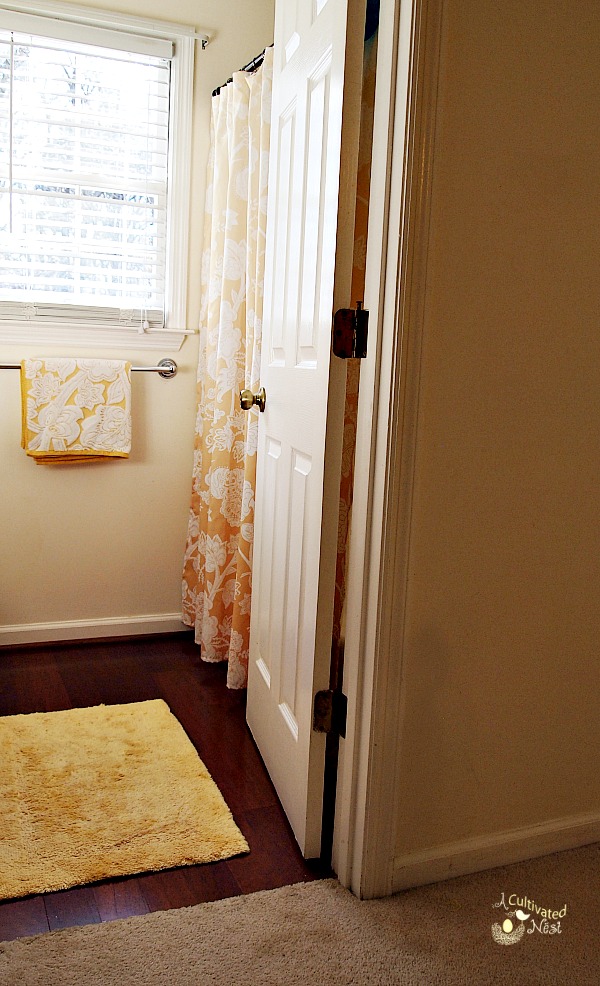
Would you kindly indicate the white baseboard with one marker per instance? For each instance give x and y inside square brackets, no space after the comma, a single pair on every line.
[499,849]
[121,626]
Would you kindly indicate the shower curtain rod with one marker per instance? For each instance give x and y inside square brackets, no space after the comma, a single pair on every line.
[250,67]
[166,368]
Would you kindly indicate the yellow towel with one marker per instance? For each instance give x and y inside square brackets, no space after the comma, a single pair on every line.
[75,410]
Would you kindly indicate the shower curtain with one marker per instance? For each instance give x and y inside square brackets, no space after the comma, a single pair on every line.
[217,573]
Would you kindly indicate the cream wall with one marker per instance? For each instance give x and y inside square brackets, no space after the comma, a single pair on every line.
[95,546]
[501,679]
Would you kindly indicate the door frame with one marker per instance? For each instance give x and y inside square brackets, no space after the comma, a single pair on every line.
[403,144]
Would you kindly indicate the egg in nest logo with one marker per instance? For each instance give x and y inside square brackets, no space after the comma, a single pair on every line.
[524,916]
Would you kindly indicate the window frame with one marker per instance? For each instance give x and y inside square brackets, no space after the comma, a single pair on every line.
[183,38]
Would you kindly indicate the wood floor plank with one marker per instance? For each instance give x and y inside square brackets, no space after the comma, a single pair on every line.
[66,908]
[274,859]
[167,889]
[188,885]
[19,918]
[121,898]
[212,881]
[33,684]
[105,674]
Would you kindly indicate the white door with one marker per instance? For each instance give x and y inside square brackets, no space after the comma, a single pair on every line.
[314,143]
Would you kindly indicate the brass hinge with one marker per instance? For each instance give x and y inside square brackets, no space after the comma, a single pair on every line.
[329,712]
[350,330]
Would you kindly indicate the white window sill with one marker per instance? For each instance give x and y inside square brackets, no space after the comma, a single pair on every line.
[91,337]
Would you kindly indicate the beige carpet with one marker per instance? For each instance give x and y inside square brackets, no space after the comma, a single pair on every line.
[91,793]
[318,933]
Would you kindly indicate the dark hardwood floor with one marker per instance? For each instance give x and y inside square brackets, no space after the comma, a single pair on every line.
[48,679]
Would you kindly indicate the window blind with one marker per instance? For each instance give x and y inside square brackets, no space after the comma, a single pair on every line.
[84,140]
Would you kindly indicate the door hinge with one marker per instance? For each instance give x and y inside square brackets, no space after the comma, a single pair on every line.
[350,330]
[329,712]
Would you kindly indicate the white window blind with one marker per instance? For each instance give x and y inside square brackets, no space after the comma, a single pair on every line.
[95,125]
[83,179]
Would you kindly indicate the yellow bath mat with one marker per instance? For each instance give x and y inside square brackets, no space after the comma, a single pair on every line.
[88,794]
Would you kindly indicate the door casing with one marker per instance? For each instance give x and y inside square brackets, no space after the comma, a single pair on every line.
[403,142]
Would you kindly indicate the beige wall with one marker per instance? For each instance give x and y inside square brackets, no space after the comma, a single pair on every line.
[106,542]
[502,667]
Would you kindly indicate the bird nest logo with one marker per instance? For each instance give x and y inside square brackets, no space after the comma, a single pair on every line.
[517,922]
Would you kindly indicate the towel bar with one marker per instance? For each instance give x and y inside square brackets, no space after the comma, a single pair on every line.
[166,368]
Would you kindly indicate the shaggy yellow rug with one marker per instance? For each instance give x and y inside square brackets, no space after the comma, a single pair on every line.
[107,791]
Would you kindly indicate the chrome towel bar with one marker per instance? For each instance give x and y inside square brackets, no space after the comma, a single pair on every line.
[166,368]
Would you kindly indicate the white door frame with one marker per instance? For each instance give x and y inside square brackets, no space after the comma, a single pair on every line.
[403,140]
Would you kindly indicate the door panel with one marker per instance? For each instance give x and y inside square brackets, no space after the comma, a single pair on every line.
[309,258]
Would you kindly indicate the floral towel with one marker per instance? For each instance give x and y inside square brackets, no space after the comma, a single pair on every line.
[76,410]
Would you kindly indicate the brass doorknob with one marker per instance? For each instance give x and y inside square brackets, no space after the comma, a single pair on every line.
[248,399]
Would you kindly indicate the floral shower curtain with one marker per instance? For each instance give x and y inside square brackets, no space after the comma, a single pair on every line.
[217,573]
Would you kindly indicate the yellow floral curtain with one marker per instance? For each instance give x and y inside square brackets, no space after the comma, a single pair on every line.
[217,573]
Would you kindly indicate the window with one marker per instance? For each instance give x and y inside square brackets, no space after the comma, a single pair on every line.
[94,175]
